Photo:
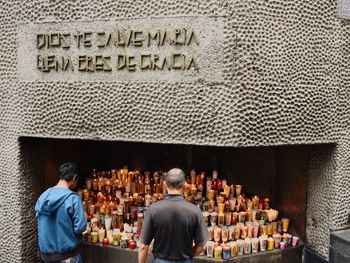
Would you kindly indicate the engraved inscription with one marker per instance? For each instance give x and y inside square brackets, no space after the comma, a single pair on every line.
[160,49]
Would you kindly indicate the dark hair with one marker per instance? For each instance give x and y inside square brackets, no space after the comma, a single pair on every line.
[175,178]
[68,171]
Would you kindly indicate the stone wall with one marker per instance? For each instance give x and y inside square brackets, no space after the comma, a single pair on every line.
[284,80]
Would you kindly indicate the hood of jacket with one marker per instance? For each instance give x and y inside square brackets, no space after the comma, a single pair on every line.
[52,199]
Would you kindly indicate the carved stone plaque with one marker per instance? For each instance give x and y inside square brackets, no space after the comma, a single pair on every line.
[344,8]
[154,49]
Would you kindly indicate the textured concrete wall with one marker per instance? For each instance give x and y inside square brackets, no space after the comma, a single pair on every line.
[319,198]
[285,80]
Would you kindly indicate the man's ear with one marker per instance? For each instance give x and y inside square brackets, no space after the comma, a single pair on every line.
[75,178]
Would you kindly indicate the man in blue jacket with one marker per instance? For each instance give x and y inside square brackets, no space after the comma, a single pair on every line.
[61,219]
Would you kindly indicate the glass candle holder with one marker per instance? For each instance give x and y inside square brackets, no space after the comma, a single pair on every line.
[217,234]
[213,218]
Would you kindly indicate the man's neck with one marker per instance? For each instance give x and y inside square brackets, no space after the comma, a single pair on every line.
[63,184]
[175,192]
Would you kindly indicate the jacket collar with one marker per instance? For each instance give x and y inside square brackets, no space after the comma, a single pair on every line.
[174,197]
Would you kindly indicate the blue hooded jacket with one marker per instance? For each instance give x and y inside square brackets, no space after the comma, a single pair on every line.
[60,216]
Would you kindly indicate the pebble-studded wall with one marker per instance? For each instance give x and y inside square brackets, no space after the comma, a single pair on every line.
[285,81]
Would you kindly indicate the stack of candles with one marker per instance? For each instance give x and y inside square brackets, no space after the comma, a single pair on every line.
[238,225]
[114,203]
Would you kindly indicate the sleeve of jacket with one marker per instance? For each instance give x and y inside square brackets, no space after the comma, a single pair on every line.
[147,230]
[201,236]
[78,217]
